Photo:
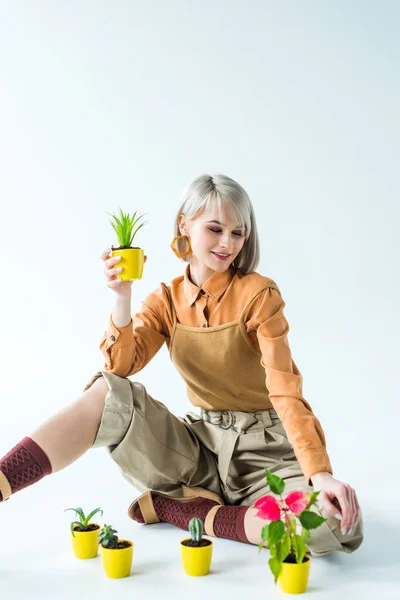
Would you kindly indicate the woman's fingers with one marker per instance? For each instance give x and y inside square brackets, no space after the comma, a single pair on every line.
[341,495]
[111,267]
[355,508]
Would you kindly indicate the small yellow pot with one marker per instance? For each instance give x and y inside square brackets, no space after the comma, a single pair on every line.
[117,562]
[86,543]
[293,578]
[196,561]
[132,261]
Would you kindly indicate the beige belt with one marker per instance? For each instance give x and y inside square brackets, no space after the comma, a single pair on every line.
[234,423]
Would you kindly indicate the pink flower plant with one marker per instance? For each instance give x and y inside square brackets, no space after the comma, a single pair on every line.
[284,542]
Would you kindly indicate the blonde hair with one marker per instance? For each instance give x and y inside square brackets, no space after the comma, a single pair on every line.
[206,190]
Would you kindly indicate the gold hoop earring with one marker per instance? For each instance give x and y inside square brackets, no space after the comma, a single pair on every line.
[176,251]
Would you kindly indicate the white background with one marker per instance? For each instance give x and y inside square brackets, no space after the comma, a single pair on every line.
[120,104]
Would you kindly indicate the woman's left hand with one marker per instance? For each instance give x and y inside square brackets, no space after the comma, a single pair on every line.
[333,495]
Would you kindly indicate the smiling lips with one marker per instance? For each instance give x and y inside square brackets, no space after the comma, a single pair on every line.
[221,256]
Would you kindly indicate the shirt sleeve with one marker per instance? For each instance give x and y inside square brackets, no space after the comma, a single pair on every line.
[284,383]
[128,349]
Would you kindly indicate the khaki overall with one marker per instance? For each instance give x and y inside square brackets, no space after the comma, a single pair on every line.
[221,449]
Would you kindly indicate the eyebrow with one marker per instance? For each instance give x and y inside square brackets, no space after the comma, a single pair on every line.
[219,223]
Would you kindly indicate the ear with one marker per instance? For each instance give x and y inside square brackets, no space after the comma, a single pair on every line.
[182,225]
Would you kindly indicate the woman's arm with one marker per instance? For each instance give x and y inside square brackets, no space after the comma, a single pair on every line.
[129,348]
[284,383]
[121,314]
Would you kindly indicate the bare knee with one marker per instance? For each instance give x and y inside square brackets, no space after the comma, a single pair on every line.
[97,393]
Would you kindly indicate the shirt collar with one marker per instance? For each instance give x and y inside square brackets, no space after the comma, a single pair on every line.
[215,285]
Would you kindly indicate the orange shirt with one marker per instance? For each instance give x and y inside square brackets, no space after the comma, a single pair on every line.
[221,300]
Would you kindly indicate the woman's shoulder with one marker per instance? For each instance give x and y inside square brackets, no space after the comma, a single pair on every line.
[253,283]
[159,297]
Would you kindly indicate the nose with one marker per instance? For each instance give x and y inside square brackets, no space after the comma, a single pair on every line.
[224,240]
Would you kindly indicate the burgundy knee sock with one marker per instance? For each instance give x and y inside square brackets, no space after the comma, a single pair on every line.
[24,465]
[228,521]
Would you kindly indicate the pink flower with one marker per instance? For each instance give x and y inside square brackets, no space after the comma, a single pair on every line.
[268,508]
[297,501]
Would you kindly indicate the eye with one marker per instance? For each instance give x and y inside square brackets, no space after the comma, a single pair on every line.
[219,231]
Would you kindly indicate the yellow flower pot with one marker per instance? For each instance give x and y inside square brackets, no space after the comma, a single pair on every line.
[86,543]
[132,261]
[293,578]
[117,562]
[196,560]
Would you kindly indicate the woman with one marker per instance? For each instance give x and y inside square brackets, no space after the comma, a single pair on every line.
[227,335]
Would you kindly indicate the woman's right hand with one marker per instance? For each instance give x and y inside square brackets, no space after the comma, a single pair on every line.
[111,270]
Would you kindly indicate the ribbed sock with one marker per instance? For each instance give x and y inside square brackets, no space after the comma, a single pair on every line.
[228,521]
[24,465]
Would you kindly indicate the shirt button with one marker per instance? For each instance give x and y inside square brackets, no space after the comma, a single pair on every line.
[204,324]
[202,292]
[112,338]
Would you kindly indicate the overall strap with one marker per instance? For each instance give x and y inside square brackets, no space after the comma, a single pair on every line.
[169,294]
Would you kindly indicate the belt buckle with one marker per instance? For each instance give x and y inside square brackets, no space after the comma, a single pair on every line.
[232,423]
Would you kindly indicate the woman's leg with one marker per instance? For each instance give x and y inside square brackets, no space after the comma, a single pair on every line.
[253,526]
[55,444]
[69,433]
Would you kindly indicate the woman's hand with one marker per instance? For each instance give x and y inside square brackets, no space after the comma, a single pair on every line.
[111,269]
[336,495]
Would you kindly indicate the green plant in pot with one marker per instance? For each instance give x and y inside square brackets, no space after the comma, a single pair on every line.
[116,554]
[84,535]
[288,562]
[132,257]
[196,551]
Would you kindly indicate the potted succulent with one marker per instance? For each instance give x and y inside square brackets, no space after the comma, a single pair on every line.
[196,551]
[288,563]
[84,535]
[116,554]
[132,258]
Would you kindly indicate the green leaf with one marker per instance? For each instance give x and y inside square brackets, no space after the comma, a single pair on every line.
[79,512]
[306,535]
[73,524]
[310,520]
[264,533]
[276,530]
[285,546]
[275,566]
[135,232]
[96,510]
[276,484]
[313,498]
[74,509]
[299,547]
[106,535]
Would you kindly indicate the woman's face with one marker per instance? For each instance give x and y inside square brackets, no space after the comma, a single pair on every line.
[213,233]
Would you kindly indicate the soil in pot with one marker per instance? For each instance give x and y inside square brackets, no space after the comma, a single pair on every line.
[118,546]
[90,527]
[125,248]
[194,544]
[291,558]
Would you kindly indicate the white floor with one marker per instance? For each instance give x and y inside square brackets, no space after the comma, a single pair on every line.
[36,558]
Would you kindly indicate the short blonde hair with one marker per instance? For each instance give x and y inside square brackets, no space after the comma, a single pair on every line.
[206,190]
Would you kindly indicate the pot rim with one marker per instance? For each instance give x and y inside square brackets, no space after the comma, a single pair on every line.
[89,531]
[196,547]
[119,540]
[298,564]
